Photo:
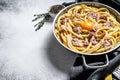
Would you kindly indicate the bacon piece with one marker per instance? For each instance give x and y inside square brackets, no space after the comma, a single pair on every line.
[91,33]
[77,30]
[106,43]
[85,43]
[63,28]
[108,24]
[95,27]
[64,19]
[103,16]
[76,42]
[93,40]
[93,15]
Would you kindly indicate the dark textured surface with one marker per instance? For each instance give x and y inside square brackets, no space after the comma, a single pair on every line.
[113,3]
[83,73]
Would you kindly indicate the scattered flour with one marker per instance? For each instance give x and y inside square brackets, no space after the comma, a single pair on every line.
[26,54]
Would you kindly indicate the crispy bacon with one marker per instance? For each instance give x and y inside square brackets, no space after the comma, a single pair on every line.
[92,14]
[63,28]
[64,19]
[103,16]
[91,33]
[106,44]
[93,40]
[77,30]
[108,24]
[95,27]
[85,43]
[76,42]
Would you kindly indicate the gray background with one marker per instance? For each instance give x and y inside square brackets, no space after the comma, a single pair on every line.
[26,54]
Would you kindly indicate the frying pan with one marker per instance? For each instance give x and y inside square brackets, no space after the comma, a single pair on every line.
[83,55]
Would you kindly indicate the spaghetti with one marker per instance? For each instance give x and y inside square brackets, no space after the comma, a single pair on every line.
[88,29]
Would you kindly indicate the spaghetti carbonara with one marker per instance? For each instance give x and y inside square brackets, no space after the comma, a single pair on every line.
[88,29]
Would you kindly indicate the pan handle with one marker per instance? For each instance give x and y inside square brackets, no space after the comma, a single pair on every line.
[95,67]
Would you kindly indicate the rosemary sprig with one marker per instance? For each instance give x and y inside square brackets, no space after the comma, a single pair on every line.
[40,24]
[38,16]
[45,17]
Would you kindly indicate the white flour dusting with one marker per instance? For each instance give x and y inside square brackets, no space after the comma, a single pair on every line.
[24,53]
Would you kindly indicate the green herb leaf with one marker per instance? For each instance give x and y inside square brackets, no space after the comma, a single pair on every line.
[38,16]
[40,24]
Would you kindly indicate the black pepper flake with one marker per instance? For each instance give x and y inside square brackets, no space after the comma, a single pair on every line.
[56,8]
